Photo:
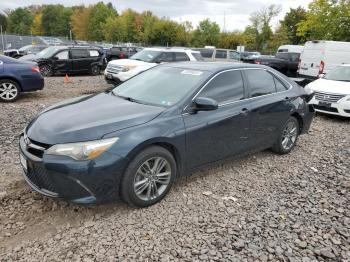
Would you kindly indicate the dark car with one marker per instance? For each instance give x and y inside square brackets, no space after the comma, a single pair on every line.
[17,77]
[133,142]
[25,50]
[121,52]
[284,62]
[69,60]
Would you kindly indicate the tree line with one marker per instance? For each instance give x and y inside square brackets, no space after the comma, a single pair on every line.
[324,19]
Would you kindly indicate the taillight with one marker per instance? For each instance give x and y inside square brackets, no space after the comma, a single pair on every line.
[321,68]
[257,62]
[299,64]
[35,69]
[122,55]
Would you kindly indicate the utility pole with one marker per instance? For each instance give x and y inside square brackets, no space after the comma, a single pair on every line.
[224,29]
[70,35]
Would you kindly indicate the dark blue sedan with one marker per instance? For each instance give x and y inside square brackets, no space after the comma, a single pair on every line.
[16,77]
[133,142]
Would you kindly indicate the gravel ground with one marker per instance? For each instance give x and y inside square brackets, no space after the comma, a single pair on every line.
[261,207]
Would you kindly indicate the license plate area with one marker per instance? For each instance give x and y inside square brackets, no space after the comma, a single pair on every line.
[109,76]
[325,104]
[23,161]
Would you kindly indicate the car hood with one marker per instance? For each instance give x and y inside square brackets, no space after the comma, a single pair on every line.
[130,62]
[88,118]
[330,86]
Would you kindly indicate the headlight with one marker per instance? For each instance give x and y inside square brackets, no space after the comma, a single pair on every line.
[84,150]
[308,90]
[127,68]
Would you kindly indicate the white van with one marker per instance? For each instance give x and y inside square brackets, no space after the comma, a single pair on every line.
[290,49]
[318,57]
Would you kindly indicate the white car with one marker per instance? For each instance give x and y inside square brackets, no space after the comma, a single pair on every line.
[120,70]
[332,92]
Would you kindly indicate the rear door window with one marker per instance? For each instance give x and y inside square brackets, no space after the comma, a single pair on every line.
[79,53]
[207,53]
[221,54]
[181,56]
[280,87]
[166,57]
[261,82]
[225,87]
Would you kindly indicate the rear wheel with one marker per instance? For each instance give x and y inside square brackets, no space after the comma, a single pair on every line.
[46,70]
[9,90]
[95,70]
[148,177]
[288,137]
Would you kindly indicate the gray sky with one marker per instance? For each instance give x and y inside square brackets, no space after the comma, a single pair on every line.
[237,11]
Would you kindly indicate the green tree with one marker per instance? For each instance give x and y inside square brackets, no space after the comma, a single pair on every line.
[290,23]
[56,20]
[207,33]
[100,12]
[321,21]
[260,25]
[20,21]
[80,22]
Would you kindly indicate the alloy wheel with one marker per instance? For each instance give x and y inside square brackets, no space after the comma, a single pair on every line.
[152,178]
[8,91]
[290,134]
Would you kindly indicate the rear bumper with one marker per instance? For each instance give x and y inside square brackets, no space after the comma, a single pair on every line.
[32,83]
[81,182]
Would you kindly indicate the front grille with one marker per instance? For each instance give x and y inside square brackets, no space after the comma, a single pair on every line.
[38,176]
[328,97]
[35,148]
[114,69]
[328,109]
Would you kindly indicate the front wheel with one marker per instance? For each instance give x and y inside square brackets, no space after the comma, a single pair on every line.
[288,137]
[46,70]
[148,177]
[9,90]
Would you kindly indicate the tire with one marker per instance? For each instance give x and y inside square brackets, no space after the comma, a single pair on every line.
[9,90]
[95,70]
[288,136]
[137,189]
[46,70]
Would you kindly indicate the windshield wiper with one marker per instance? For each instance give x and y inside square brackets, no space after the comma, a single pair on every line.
[130,99]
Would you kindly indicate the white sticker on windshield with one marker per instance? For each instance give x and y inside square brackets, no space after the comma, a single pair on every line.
[191,72]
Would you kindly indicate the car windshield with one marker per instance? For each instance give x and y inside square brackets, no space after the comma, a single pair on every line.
[341,73]
[161,86]
[146,55]
[48,52]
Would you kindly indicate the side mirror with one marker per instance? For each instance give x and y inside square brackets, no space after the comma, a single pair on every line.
[205,104]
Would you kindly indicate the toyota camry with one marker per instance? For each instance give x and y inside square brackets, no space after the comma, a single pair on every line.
[133,142]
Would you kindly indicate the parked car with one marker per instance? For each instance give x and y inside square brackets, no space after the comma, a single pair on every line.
[332,92]
[286,63]
[290,49]
[249,57]
[69,60]
[25,50]
[17,77]
[319,57]
[133,142]
[121,52]
[214,54]
[120,70]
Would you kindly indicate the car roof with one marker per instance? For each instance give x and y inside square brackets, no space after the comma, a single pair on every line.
[213,66]
[170,49]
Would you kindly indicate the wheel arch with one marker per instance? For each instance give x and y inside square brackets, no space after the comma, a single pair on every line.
[162,142]
[300,121]
[12,78]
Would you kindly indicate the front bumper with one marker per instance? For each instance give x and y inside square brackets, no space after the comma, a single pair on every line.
[82,182]
[341,108]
